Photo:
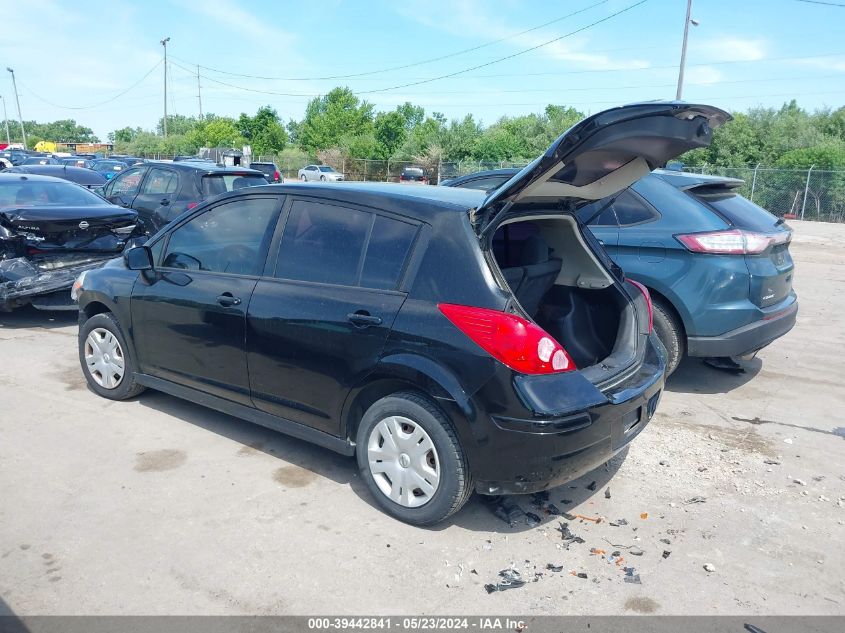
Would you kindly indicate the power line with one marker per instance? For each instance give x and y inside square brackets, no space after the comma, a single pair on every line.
[511,56]
[95,105]
[404,66]
[827,4]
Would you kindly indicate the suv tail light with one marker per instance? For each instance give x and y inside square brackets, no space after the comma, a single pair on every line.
[732,242]
[276,176]
[647,296]
[518,343]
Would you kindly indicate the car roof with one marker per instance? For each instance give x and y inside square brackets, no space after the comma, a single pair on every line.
[686,180]
[9,176]
[79,175]
[205,167]
[389,196]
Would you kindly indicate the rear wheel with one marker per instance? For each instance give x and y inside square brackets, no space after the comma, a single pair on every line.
[303,178]
[323,178]
[106,362]
[670,332]
[411,460]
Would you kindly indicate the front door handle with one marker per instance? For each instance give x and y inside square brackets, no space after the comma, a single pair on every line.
[362,318]
[165,202]
[226,300]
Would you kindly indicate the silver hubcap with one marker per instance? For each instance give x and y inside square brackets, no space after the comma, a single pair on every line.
[104,358]
[403,461]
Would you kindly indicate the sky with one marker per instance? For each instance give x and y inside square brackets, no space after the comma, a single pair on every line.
[101,64]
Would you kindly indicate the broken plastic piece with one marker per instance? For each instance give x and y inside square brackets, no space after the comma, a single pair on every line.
[505,509]
[696,499]
[619,522]
[592,486]
[578,574]
[607,493]
[554,568]
[644,515]
[666,553]
[567,536]
[666,540]
[597,552]
[532,519]
[511,579]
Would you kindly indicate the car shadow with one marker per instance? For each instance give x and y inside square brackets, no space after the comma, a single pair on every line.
[29,317]
[475,516]
[254,439]
[694,376]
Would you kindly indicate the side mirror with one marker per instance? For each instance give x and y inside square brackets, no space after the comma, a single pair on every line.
[138,258]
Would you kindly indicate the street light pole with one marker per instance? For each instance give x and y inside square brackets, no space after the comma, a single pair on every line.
[164,43]
[6,121]
[18,101]
[684,52]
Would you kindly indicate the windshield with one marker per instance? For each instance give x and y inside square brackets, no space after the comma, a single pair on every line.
[29,193]
[215,184]
[326,168]
[739,211]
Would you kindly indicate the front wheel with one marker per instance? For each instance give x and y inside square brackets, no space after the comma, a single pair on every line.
[323,178]
[303,178]
[106,362]
[411,460]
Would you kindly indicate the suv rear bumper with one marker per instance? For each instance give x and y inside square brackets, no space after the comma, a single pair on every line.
[746,339]
[521,456]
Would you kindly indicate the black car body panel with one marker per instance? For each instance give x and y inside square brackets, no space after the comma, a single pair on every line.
[44,247]
[80,175]
[283,329]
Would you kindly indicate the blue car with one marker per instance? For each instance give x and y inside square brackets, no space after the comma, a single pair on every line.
[717,265]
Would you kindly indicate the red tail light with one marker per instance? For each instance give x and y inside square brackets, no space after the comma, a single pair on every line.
[732,242]
[647,296]
[518,343]
[276,176]
[191,205]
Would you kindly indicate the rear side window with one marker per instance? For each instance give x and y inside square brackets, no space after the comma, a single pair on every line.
[327,243]
[126,183]
[221,183]
[739,211]
[632,210]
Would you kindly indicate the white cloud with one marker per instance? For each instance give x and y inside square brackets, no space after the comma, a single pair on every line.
[702,75]
[729,48]
[834,62]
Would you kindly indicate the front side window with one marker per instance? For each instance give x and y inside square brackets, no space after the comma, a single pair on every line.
[228,238]
[126,184]
[326,243]
[160,182]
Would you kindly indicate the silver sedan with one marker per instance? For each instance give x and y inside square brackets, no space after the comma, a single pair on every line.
[319,172]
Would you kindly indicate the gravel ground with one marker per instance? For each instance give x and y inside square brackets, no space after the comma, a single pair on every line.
[158,506]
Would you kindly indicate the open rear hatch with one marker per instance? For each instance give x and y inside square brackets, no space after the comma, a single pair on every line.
[587,303]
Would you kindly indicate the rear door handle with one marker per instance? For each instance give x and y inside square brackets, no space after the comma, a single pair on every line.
[226,300]
[362,318]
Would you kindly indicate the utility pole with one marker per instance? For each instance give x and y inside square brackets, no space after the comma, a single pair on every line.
[6,121]
[164,43]
[687,22]
[18,101]
[199,90]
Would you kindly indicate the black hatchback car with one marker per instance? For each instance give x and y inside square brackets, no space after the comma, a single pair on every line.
[162,191]
[380,321]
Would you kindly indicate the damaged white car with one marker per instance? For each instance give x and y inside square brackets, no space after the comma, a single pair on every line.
[51,230]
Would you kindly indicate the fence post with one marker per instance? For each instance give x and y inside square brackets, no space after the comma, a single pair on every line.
[806,189]
[387,172]
[439,168]
[754,181]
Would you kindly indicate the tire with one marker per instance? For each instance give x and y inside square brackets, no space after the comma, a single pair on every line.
[671,333]
[105,328]
[303,178]
[401,413]
[323,178]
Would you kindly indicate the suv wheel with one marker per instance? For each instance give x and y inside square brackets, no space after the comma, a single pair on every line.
[671,334]
[108,367]
[411,460]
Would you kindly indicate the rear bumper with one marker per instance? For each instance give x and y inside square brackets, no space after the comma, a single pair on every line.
[529,455]
[746,339]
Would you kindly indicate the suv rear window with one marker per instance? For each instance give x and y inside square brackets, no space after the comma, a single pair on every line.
[739,211]
[325,243]
[214,184]
[266,168]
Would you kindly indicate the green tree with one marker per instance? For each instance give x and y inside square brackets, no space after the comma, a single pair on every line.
[332,116]
[264,131]
[176,124]
[390,133]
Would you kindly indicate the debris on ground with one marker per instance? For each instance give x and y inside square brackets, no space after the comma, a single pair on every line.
[595,551]
[578,574]
[644,515]
[554,568]
[532,519]
[666,553]
[709,567]
[504,508]
[666,540]
[632,577]
[800,482]
[771,462]
[568,537]
[592,486]
[607,493]
[663,462]
[724,363]
[619,522]
[696,499]
[511,579]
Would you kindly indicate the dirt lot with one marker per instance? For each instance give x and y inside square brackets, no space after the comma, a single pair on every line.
[157,506]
